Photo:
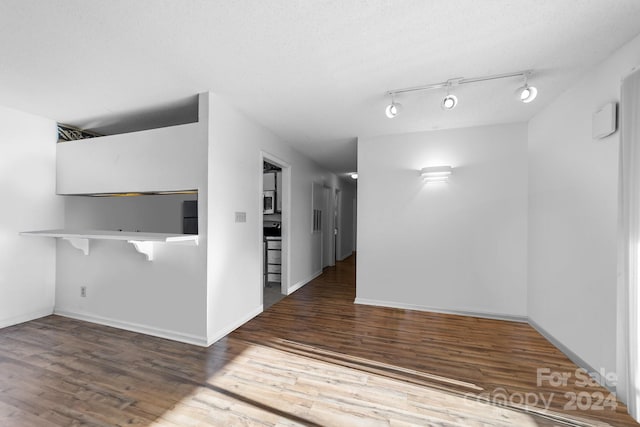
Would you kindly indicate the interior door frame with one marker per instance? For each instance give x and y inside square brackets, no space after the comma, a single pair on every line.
[628,286]
[337,224]
[285,276]
[328,234]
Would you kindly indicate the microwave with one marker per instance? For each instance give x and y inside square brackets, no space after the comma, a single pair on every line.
[269,202]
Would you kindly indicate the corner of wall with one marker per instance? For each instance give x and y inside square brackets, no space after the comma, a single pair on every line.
[27,189]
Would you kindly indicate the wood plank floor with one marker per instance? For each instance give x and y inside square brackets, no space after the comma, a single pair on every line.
[312,359]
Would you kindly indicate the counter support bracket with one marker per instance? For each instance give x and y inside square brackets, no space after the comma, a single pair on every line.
[144,247]
[78,243]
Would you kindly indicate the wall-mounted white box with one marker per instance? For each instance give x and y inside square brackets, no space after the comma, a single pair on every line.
[604,121]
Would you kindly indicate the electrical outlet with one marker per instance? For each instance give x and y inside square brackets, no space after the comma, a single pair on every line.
[83,291]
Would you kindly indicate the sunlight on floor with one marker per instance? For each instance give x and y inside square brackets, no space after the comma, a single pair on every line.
[288,383]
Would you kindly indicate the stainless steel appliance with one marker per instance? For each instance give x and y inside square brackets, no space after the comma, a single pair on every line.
[269,202]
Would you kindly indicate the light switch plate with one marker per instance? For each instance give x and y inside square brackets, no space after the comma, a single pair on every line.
[241,217]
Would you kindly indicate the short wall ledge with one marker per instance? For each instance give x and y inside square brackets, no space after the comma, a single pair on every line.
[142,242]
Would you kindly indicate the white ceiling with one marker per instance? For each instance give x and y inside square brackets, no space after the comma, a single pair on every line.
[314,72]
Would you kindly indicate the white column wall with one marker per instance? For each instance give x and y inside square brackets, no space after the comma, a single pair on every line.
[27,190]
[235,249]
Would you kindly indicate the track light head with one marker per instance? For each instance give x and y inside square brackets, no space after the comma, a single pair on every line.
[449,102]
[393,110]
[527,93]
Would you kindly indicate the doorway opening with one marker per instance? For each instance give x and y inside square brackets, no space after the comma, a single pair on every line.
[331,217]
[275,231]
[337,228]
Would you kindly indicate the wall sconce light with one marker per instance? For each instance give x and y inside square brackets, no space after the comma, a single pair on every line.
[354,175]
[436,173]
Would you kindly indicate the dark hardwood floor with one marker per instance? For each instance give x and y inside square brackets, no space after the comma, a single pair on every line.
[313,359]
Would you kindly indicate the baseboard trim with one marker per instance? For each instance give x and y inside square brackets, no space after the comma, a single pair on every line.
[570,354]
[301,283]
[16,320]
[484,315]
[134,327]
[226,331]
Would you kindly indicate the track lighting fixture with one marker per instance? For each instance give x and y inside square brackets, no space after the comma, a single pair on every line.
[528,94]
[525,93]
[393,109]
[449,102]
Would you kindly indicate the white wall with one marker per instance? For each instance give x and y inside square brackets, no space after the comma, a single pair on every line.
[573,189]
[456,247]
[27,191]
[166,296]
[150,160]
[235,249]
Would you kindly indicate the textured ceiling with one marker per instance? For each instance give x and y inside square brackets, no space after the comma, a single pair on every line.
[313,72]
